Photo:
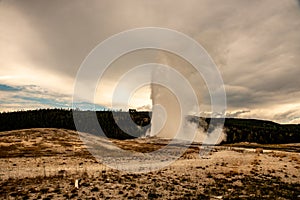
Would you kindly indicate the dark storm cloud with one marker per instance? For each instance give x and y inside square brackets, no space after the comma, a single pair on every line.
[256,44]
[70,30]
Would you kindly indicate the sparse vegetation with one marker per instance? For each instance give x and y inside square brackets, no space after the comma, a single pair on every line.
[48,163]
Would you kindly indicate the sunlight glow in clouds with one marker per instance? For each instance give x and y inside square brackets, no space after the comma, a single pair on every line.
[255,44]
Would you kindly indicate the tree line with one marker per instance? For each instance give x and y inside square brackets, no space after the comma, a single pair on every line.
[132,124]
[110,121]
[258,131]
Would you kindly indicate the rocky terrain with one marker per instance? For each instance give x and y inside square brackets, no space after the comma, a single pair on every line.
[46,164]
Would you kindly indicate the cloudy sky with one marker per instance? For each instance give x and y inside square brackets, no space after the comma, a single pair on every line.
[255,44]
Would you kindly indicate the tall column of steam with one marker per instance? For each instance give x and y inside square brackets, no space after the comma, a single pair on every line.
[166,110]
[166,115]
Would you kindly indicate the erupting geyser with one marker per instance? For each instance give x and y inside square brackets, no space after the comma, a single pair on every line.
[175,95]
[172,100]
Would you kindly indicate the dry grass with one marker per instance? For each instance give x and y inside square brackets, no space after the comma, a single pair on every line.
[279,154]
[44,164]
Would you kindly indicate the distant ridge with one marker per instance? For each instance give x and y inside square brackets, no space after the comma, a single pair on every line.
[61,118]
[237,130]
[260,131]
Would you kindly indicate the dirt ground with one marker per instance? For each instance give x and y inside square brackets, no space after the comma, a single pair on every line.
[45,164]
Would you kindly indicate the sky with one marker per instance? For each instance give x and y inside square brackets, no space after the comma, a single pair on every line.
[255,45]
